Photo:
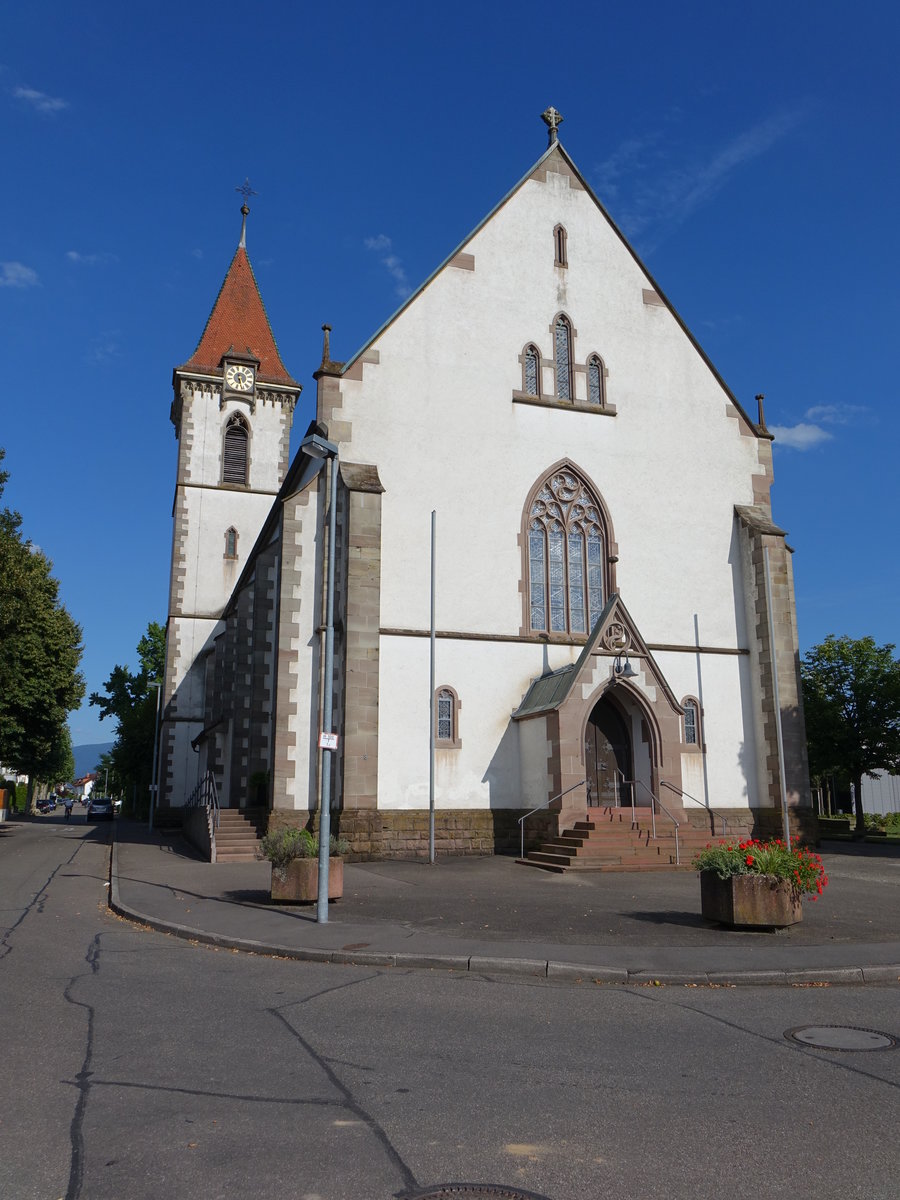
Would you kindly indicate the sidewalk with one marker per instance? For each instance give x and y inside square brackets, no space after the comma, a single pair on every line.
[491,915]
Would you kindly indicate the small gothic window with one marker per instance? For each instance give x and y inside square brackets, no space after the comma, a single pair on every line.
[691,722]
[234,465]
[559,245]
[595,380]
[563,354]
[532,379]
[565,556]
[231,542]
[445,718]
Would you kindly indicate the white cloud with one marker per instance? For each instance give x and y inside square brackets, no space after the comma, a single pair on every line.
[382,246]
[89,260]
[40,100]
[836,414]
[800,436]
[197,253]
[660,182]
[16,274]
[104,348]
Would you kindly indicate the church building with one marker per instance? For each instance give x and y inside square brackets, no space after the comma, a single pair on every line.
[614,624]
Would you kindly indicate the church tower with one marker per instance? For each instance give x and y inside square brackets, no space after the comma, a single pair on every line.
[232,411]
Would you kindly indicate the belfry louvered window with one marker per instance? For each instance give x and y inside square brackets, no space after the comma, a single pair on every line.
[237,436]
[565,556]
[563,354]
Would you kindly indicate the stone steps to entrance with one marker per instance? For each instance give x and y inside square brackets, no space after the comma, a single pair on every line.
[608,840]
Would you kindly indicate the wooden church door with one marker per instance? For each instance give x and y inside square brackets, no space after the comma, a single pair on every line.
[607,757]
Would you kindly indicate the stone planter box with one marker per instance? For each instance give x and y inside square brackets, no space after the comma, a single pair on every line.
[760,901]
[298,882]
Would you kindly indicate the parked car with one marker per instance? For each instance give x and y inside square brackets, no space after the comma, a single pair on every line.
[100,807]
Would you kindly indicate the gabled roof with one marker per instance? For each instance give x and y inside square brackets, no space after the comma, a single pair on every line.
[550,691]
[556,150]
[238,322]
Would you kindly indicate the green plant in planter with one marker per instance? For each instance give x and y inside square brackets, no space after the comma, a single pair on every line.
[803,869]
[282,846]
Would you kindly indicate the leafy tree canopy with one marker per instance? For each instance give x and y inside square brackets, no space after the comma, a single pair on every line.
[40,650]
[851,699]
[130,698]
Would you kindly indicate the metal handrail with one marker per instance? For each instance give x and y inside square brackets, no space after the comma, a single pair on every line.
[206,795]
[653,800]
[522,820]
[714,811]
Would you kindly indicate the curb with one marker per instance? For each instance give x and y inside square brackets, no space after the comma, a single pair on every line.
[488,965]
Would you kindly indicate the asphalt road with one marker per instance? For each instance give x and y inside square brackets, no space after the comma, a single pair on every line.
[136,1065]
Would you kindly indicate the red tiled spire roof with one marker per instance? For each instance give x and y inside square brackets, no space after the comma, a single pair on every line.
[238,321]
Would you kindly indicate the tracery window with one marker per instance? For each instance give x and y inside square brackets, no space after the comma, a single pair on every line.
[532,372]
[446,718]
[562,338]
[565,556]
[231,538]
[595,380]
[691,722]
[234,457]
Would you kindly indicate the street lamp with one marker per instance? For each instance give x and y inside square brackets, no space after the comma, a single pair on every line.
[319,447]
[158,687]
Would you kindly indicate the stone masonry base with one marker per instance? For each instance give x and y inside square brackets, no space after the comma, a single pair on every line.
[403,833]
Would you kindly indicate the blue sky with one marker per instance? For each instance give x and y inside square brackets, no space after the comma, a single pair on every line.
[750,154]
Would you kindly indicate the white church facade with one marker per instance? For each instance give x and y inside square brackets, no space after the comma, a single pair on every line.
[614,603]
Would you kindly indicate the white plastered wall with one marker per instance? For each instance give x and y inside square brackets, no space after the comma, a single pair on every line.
[670,467]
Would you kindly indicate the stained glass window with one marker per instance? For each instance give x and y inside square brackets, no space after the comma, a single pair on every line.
[532,372]
[691,723]
[566,561]
[595,381]
[563,359]
[445,716]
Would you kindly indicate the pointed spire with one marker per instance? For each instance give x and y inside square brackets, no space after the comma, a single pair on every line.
[246,191]
[238,318]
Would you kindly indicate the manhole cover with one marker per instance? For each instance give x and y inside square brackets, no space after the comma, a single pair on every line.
[496,1191]
[841,1037]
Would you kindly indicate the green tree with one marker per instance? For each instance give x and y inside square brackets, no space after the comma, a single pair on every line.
[851,698]
[40,650]
[130,698]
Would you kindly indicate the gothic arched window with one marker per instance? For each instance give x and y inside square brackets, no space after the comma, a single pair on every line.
[446,719]
[234,457]
[532,372]
[560,253]
[595,380]
[566,556]
[692,733]
[562,345]
[231,539]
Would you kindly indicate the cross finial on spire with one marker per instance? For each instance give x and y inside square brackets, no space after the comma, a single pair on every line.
[246,191]
[552,119]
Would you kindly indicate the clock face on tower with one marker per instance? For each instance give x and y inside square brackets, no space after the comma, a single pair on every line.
[239,377]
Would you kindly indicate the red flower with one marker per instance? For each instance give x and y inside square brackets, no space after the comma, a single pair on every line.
[749,860]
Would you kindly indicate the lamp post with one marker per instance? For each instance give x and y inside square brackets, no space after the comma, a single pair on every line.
[153,785]
[318,447]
